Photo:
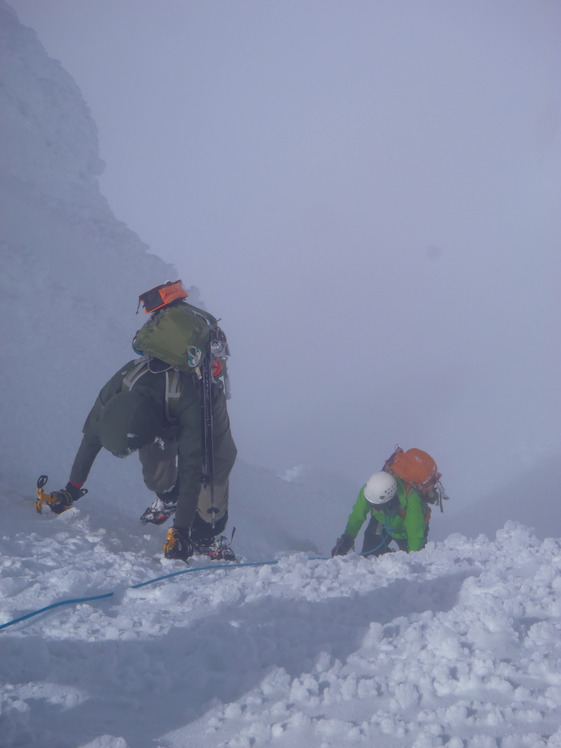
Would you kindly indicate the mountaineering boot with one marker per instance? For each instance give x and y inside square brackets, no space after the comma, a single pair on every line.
[178,545]
[162,508]
[216,548]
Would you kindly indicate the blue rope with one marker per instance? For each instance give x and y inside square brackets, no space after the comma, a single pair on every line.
[203,568]
[76,601]
[384,543]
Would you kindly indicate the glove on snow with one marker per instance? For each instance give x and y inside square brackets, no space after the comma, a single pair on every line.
[343,545]
[63,501]
[66,497]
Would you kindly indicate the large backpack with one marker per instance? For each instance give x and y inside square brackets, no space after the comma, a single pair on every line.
[185,338]
[417,470]
[180,334]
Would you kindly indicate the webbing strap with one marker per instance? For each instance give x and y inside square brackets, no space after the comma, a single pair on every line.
[173,393]
[137,371]
[172,387]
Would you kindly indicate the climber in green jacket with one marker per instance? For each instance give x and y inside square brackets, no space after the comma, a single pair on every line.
[397,514]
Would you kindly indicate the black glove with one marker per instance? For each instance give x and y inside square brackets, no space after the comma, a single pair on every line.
[343,545]
[62,501]
[75,492]
[66,497]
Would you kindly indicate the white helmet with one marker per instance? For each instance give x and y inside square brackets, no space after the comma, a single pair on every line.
[380,488]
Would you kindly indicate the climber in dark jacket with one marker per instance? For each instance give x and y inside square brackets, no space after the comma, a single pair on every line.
[133,412]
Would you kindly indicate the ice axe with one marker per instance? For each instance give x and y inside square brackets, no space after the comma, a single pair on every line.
[58,502]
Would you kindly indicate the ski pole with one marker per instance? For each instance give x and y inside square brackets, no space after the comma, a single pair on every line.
[208,440]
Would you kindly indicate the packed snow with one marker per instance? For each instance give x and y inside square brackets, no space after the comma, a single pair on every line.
[104,643]
[458,645]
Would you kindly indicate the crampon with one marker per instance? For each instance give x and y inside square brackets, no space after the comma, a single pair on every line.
[159,512]
[217,549]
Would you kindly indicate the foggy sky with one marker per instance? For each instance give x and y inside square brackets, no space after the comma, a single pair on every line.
[366,193]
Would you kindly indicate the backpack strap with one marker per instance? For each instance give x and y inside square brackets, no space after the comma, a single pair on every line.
[173,393]
[172,386]
[138,370]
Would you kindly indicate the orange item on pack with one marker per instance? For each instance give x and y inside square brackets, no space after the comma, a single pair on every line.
[161,296]
[414,466]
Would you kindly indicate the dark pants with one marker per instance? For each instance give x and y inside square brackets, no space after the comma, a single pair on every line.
[202,531]
[159,470]
[375,543]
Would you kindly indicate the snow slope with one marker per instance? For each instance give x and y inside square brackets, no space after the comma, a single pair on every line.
[457,646]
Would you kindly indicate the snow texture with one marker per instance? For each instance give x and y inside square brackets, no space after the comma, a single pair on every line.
[458,645]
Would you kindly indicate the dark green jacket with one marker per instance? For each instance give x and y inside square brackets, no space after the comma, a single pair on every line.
[187,428]
[406,517]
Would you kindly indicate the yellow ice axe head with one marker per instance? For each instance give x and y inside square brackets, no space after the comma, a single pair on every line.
[43,497]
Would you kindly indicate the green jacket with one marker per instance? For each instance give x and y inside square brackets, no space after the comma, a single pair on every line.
[406,517]
[187,427]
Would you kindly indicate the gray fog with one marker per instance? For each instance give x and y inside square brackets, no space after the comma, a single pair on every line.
[367,193]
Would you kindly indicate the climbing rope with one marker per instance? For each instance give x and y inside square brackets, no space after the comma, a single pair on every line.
[190,570]
[78,600]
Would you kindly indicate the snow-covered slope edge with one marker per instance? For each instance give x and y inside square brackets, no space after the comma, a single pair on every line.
[421,650]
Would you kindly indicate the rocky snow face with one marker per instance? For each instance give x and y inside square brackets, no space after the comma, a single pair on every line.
[71,272]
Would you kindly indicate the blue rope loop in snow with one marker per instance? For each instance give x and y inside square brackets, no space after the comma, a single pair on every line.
[203,568]
[78,600]
[75,601]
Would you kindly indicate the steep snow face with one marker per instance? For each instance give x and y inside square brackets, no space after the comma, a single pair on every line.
[53,138]
[70,271]
[457,646]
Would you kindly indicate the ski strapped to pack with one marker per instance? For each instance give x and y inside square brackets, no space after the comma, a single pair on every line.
[208,436]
